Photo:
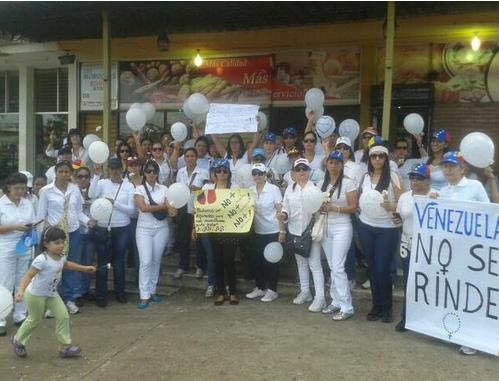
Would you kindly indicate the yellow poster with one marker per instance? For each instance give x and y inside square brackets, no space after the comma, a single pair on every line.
[223,211]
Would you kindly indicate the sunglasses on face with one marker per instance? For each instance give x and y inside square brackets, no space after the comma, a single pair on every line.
[416,177]
[157,149]
[401,147]
[301,168]
[309,141]
[342,147]
[377,156]
[124,151]
[149,171]
[257,173]
[221,170]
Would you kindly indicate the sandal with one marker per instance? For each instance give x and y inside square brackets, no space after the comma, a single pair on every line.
[233,299]
[19,349]
[143,304]
[70,351]
[219,300]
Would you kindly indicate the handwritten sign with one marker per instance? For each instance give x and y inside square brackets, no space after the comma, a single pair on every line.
[453,285]
[223,211]
[92,87]
[230,118]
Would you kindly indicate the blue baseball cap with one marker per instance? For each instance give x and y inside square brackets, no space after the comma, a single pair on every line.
[452,157]
[258,152]
[420,169]
[442,136]
[290,131]
[375,141]
[335,155]
[270,137]
[223,163]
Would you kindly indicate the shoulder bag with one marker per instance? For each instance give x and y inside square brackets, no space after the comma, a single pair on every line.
[158,215]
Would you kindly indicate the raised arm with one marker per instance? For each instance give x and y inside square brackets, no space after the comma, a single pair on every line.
[310,127]
[254,143]
[218,145]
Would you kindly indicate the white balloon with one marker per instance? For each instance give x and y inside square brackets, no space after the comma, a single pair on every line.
[314,98]
[98,152]
[198,104]
[149,110]
[317,113]
[369,204]
[349,128]
[187,111]
[6,302]
[136,118]
[325,126]
[179,131]
[414,123]
[89,139]
[262,123]
[178,195]
[273,252]
[281,164]
[312,199]
[136,105]
[101,210]
[478,149]
[243,176]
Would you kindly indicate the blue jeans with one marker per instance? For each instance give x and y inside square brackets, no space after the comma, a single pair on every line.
[208,249]
[184,221]
[379,245]
[405,267]
[71,280]
[87,248]
[111,248]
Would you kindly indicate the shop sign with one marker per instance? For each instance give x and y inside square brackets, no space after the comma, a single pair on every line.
[336,72]
[168,83]
[92,87]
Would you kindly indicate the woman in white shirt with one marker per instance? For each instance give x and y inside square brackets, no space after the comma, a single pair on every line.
[268,201]
[235,152]
[298,221]
[338,233]
[61,205]
[75,144]
[16,215]
[439,145]
[165,170]
[315,159]
[152,232]
[112,237]
[379,237]
[194,177]
[420,182]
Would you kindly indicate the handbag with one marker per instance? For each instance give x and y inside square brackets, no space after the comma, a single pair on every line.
[160,216]
[318,229]
[300,244]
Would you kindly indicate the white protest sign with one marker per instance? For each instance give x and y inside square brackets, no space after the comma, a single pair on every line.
[453,285]
[229,118]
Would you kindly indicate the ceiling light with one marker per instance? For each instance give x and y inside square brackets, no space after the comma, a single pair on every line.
[198,60]
[475,43]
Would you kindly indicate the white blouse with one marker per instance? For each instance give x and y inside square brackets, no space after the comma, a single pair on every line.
[265,209]
[12,214]
[298,219]
[158,194]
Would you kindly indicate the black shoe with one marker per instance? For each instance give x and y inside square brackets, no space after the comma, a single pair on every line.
[121,299]
[80,302]
[89,297]
[400,327]
[387,315]
[374,314]
[101,302]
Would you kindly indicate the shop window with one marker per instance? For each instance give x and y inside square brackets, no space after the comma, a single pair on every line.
[9,123]
[51,90]
[48,125]
[153,129]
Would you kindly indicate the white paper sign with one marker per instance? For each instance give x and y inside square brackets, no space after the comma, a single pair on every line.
[453,285]
[230,118]
[92,87]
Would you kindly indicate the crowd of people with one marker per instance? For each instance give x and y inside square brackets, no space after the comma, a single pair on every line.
[144,226]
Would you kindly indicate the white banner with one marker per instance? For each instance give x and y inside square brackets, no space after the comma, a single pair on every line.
[453,285]
[92,87]
[231,118]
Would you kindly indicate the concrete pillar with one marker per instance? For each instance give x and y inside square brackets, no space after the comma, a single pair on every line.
[27,119]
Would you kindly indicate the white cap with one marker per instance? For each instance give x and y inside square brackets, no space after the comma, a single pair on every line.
[259,167]
[301,161]
[344,140]
[378,149]
[30,178]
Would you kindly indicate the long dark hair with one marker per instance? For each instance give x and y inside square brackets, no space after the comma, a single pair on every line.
[430,153]
[130,152]
[385,179]
[336,185]
[229,177]
[149,164]
[241,144]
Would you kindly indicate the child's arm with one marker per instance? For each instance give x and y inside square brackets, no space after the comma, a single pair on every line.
[76,267]
[26,279]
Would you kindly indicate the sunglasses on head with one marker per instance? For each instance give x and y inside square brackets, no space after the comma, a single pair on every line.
[416,177]
[256,172]
[150,170]
[300,168]
[221,170]
[377,156]
[309,141]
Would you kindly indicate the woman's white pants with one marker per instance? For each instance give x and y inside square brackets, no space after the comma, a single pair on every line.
[12,268]
[313,262]
[336,243]
[151,243]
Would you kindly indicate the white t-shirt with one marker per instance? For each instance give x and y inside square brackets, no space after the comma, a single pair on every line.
[197,178]
[235,164]
[347,186]
[298,219]
[12,214]
[45,282]
[353,171]
[438,179]
[465,190]
[265,209]
[158,194]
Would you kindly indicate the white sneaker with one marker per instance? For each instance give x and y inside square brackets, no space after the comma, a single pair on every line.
[339,316]
[178,274]
[317,305]
[210,291]
[303,297]
[199,273]
[331,309]
[270,296]
[467,351]
[49,314]
[72,308]
[366,285]
[256,293]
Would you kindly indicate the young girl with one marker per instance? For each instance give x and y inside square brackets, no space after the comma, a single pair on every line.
[39,288]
